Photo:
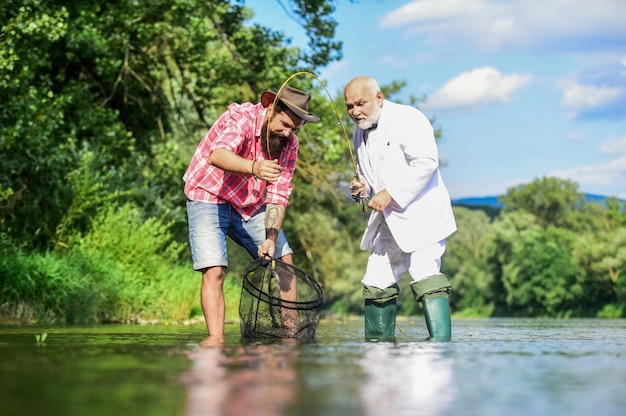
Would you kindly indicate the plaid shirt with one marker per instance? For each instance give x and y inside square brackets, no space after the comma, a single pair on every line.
[238,129]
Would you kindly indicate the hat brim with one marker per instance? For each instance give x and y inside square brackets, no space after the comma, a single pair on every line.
[268,98]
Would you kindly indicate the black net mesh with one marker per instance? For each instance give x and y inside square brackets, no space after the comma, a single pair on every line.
[279,300]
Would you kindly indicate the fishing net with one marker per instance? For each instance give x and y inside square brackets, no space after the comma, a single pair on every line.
[279,300]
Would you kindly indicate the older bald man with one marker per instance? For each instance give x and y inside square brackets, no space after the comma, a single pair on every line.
[411,215]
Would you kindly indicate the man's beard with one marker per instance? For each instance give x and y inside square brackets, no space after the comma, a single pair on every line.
[276,143]
[371,120]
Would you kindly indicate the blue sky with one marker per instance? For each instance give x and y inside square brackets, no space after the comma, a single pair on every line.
[521,88]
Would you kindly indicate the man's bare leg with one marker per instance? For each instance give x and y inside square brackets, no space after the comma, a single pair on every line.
[288,292]
[212,300]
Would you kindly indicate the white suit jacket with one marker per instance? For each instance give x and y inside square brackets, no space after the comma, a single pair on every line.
[403,158]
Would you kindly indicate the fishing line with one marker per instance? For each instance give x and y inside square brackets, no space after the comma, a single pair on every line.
[358,198]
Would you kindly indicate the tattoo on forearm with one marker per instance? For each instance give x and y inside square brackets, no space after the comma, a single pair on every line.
[272,217]
[271,233]
[273,222]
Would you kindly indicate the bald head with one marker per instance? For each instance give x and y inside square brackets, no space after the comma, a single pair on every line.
[364,101]
[363,84]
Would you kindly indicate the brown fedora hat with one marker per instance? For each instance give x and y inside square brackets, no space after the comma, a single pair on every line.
[296,100]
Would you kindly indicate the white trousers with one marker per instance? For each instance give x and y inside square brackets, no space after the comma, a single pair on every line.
[387,263]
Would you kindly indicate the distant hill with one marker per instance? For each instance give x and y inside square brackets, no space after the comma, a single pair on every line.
[600,198]
[492,201]
[484,201]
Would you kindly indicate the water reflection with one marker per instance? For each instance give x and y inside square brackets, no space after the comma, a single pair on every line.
[250,378]
[335,375]
[413,378]
[523,367]
[516,367]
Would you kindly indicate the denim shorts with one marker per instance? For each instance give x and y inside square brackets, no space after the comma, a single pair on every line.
[209,224]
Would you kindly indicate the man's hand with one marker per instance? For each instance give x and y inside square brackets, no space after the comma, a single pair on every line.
[267,170]
[380,201]
[267,248]
[357,188]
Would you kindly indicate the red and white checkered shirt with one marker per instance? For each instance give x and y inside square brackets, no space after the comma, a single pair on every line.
[239,130]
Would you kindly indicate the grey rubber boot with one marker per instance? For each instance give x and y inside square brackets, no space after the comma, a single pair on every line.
[380,312]
[433,293]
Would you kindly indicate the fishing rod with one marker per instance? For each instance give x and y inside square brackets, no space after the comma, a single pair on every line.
[360,199]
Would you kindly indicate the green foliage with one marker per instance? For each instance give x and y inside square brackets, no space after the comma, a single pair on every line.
[612,311]
[551,200]
[125,83]
[89,194]
[616,212]
[569,269]
[541,279]
[103,106]
[125,236]
[314,17]
[331,259]
[124,269]
[465,262]
[42,127]
[50,288]
[232,294]
[601,258]
[144,249]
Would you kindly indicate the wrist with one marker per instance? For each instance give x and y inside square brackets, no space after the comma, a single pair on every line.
[252,169]
[271,234]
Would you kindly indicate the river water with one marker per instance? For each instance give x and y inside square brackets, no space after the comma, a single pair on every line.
[491,367]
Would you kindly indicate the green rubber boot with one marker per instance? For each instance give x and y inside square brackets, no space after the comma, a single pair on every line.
[380,319]
[437,314]
[380,313]
[433,293]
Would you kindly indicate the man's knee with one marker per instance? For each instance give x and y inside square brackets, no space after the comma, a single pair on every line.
[213,275]
[434,286]
[380,296]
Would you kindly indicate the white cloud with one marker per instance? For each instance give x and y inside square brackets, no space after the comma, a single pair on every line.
[609,175]
[578,98]
[416,11]
[576,135]
[591,33]
[612,172]
[476,88]
[392,62]
[493,24]
[615,146]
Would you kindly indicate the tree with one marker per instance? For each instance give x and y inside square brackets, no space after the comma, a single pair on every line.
[541,278]
[551,200]
[465,263]
[133,83]
[601,261]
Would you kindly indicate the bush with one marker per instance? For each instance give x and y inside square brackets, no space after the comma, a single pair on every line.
[124,269]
